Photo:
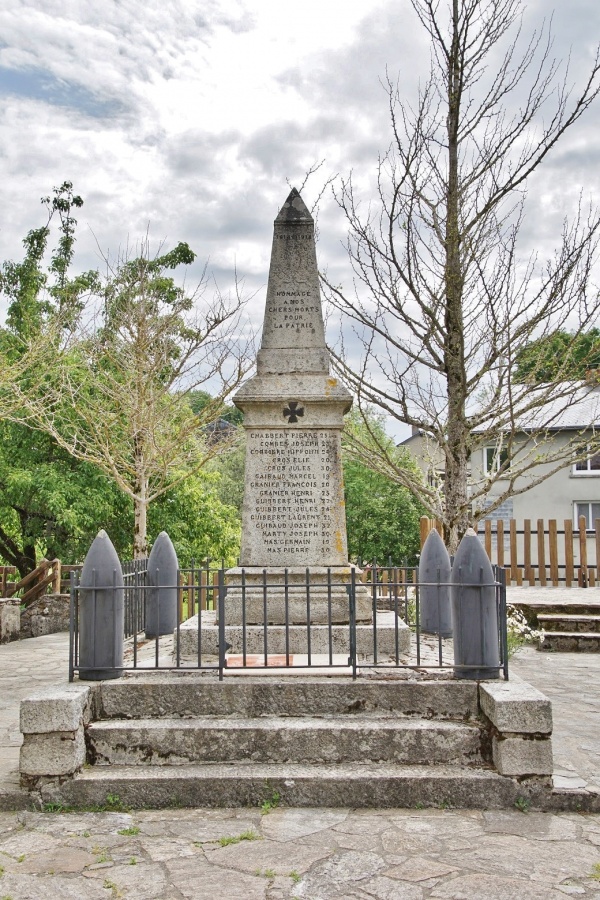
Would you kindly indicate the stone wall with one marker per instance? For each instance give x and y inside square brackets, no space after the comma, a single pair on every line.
[46,615]
[9,620]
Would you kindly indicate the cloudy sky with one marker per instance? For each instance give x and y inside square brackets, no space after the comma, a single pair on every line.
[188,117]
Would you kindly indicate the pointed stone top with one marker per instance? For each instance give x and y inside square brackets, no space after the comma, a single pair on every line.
[294,211]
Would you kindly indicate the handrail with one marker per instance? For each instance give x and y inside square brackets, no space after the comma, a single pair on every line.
[46,573]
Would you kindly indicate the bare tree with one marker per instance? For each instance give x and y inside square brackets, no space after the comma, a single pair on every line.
[115,393]
[443,300]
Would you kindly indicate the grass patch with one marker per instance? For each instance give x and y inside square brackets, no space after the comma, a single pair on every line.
[128,832]
[249,835]
[113,803]
[56,808]
[522,804]
[595,873]
[111,886]
[265,873]
[270,804]
[102,855]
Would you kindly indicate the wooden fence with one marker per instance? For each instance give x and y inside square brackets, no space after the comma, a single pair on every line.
[539,553]
[44,578]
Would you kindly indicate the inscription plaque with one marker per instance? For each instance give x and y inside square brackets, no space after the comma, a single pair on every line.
[296,497]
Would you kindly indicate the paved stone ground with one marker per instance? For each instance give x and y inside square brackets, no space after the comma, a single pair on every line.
[308,854]
[557,596]
[25,666]
[313,854]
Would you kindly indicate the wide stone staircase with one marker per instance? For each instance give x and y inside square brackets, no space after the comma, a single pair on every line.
[569,617]
[576,631]
[246,741]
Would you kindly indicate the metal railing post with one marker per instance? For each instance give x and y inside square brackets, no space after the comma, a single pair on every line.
[72,626]
[503,622]
[352,617]
[221,605]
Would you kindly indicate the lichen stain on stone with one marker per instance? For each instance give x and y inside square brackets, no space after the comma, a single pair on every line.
[329,385]
[339,542]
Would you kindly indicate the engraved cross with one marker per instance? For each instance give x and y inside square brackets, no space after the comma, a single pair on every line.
[291,412]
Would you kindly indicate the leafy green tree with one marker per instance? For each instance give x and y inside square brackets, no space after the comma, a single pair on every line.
[200,525]
[48,505]
[559,356]
[37,291]
[51,505]
[117,394]
[382,516]
[201,400]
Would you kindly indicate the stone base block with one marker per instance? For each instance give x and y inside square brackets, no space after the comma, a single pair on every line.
[10,621]
[517,755]
[327,595]
[388,626]
[59,753]
[517,707]
[57,708]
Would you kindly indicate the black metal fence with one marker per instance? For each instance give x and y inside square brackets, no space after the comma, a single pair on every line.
[221,625]
[134,580]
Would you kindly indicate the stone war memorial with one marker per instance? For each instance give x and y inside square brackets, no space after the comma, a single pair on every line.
[294,577]
[293,515]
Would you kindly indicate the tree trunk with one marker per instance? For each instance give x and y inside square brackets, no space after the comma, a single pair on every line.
[140,511]
[455,486]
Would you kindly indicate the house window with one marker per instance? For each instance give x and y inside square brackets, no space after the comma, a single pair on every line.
[495,458]
[435,478]
[590,510]
[589,466]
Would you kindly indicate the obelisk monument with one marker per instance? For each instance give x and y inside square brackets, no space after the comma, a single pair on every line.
[293,515]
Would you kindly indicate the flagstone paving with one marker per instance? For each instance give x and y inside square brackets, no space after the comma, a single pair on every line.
[313,854]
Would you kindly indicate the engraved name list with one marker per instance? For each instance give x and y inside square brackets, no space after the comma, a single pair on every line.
[296,502]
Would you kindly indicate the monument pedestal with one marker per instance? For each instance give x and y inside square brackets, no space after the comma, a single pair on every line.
[391,635]
[296,595]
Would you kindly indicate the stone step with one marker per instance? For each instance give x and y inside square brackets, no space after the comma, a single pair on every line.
[142,696]
[392,636]
[571,642]
[175,742]
[357,785]
[569,623]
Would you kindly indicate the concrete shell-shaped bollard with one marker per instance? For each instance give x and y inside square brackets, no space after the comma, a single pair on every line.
[434,587]
[474,614]
[101,612]
[161,588]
